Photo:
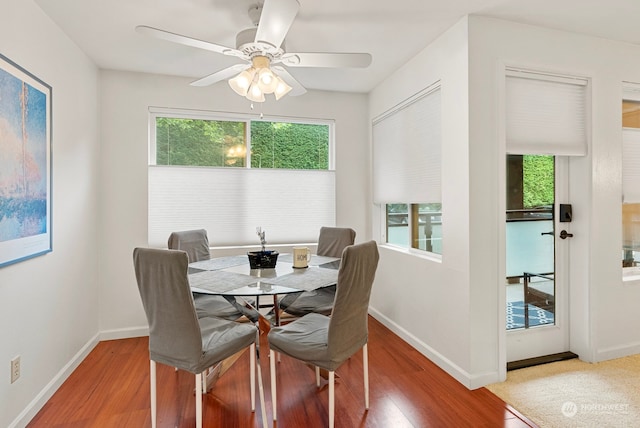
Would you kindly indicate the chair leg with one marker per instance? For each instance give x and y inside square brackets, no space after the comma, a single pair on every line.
[365,366]
[332,398]
[318,376]
[260,385]
[252,375]
[199,400]
[272,365]
[153,393]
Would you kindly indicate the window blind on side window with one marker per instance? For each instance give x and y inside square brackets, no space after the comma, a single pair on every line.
[407,151]
[290,205]
[631,91]
[545,114]
[631,166]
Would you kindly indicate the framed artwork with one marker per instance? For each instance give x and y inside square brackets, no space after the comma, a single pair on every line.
[25,164]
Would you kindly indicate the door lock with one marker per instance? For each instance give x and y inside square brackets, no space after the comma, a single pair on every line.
[565,235]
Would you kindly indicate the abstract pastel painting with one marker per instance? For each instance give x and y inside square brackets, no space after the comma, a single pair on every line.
[25,164]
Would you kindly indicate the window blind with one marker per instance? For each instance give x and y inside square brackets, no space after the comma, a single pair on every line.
[630,151]
[290,205]
[407,151]
[545,114]
[630,91]
[631,165]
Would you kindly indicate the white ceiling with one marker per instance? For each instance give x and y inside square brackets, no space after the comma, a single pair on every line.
[392,31]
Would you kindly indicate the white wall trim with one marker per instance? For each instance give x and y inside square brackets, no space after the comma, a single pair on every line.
[124,333]
[47,392]
[462,376]
[617,352]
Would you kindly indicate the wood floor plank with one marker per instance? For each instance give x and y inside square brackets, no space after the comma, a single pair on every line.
[110,388]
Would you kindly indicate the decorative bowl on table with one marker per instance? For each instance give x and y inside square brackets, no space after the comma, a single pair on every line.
[262,259]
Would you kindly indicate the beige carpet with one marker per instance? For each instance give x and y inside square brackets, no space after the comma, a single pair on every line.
[573,393]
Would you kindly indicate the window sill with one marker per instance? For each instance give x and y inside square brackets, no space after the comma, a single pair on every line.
[437,258]
[631,276]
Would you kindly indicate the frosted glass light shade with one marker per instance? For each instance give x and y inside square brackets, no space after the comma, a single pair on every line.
[268,81]
[255,94]
[282,88]
[241,83]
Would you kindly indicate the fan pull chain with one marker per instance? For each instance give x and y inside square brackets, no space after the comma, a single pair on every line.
[261,113]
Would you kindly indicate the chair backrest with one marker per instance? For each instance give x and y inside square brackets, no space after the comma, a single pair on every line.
[348,329]
[194,242]
[174,332]
[333,240]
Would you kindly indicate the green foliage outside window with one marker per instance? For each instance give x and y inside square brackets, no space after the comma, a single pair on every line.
[289,145]
[198,142]
[220,143]
[537,180]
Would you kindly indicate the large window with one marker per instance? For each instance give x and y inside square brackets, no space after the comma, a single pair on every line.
[230,174]
[229,143]
[631,181]
[407,171]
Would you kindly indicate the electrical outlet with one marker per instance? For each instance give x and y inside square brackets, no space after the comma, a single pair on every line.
[15,369]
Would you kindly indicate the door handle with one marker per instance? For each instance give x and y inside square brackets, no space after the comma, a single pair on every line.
[565,235]
[547,233]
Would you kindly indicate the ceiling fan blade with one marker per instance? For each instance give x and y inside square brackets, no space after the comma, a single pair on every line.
[275,21]
[188,41]
[296,87]
[336,60]
[220,75]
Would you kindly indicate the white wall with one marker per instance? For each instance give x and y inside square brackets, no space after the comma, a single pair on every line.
[126,98]
[455,314]
[49,303]
[427,301]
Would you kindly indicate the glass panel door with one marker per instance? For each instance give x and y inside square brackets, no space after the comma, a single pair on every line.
[536,259]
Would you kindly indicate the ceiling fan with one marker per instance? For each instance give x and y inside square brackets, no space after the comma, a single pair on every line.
[262,47]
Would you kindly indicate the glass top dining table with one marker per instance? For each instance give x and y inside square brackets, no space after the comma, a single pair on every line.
[232,276]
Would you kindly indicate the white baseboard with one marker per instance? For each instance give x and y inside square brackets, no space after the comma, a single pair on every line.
[617,352]
[462,376]
[124,333]
[47,392]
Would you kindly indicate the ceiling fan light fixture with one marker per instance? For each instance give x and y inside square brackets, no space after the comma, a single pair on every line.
[267,80]
[282,88]
[241,83]
[259,80]
[255,94]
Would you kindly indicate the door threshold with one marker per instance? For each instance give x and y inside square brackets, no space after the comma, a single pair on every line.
[536,361]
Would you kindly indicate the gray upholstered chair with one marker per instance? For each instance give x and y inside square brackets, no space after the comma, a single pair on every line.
[331,242]
[327,342]
[196,244]
[177,336]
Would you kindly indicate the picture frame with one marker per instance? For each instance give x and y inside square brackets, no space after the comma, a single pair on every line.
[25,164]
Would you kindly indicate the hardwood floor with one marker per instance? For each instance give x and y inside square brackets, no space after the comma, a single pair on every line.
[110,388]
